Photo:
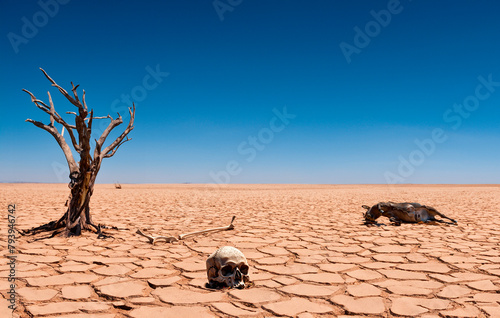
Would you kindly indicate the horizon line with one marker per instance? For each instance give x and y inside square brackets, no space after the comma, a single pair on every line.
[253,183]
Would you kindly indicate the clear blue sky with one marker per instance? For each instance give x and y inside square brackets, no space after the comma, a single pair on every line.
[363,80]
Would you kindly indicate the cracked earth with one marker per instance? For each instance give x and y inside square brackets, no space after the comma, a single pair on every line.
[309,253]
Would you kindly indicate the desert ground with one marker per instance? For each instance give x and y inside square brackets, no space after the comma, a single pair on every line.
[309,253]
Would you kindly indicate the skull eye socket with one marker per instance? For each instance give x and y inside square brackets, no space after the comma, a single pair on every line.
[244,269]
[227,270]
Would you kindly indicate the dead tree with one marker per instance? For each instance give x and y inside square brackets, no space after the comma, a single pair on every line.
[82,174]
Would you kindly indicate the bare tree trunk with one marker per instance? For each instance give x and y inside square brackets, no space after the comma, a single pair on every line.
[77,216]
[83,174]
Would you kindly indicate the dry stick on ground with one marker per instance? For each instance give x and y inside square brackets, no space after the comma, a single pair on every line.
[82,174]
[217,229]
[170,239]
[153,239]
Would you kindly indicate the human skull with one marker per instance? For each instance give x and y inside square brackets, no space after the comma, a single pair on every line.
[227,266]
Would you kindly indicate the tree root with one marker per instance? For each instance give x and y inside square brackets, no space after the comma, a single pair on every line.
[54,233]
[55,228]
[51,226]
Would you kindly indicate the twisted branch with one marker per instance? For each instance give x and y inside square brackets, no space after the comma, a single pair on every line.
[73,167]
[80,124]
[110,150]
[62,90]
